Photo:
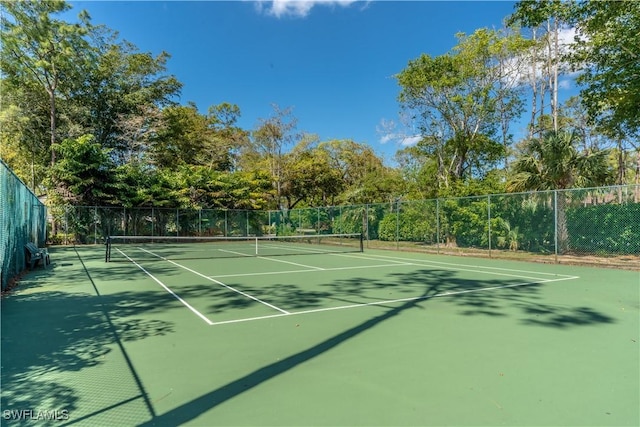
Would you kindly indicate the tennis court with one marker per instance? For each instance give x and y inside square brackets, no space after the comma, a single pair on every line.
[171,333]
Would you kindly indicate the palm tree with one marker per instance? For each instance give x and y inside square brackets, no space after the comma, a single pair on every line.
[554,163]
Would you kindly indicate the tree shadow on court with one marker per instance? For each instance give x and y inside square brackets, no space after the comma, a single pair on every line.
[432,283]
[564,317]
[47,333]
[488,296]
[65,333]
[68,332]
[293,297]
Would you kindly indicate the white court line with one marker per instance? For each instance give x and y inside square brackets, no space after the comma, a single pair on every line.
[360,267]
[292,263]
[296,249]
[368,258]
[467,265]
[166,288]
[456,267]
[401,261]
[218,282]
[236,253]
[368,304]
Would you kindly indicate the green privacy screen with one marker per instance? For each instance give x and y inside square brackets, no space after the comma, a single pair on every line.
[22,219]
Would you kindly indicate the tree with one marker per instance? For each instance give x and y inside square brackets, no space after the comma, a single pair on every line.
[270,141]
[575,115]
[122,95]
[228,140]
[48,51]
[546,55]
[607,52]
[24,144]
[198,186]
[459,102]
[308,176]
[82,173]
[182,139]
[364,177]
[554,163]
[606,57]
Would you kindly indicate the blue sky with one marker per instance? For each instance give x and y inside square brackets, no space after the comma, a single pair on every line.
[332,62]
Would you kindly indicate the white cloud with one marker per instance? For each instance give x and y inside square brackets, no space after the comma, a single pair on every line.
[387,129]
[408,141]
[564,84]
[296,8]
[404,140]
[518,70]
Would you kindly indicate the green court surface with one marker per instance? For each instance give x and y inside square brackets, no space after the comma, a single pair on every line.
[345,339]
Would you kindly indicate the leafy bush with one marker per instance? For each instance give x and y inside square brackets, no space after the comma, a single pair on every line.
[411,226]
[605,228]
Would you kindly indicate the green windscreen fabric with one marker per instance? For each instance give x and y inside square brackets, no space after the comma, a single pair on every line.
[23,219]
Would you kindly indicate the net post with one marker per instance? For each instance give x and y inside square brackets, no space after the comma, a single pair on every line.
[361,242]
[107,252]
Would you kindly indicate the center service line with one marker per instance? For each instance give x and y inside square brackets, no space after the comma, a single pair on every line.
[218,282]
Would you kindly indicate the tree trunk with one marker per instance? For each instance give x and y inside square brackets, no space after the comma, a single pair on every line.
[534,88]
[562,230]
[553,58]
[52,122]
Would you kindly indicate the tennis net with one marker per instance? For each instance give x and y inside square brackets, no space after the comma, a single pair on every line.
[168,247]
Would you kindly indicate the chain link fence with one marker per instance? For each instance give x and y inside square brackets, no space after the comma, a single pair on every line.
[554,226]
[23,219]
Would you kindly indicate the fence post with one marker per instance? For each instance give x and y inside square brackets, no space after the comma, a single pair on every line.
[397,224]
[438,226]
[555,225]
[66,225]
[366,221]
[95,225]
[489,224]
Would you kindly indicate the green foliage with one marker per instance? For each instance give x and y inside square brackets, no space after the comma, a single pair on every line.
[525,219]
[82,173]
[617,230]
[460,102]
[39,50]
[364,178]
[183,140]
[71,80]
[415,223]
[554,162]
[308,177]
[355,219]
[609,41]
[463,222]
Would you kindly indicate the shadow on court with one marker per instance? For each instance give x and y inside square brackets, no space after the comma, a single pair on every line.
[58,331]
[47,332]
[433,284]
